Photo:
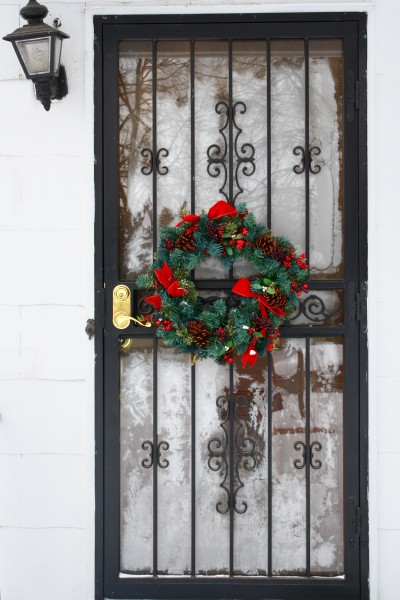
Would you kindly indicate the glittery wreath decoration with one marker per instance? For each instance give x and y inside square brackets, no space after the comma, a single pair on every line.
[247,321]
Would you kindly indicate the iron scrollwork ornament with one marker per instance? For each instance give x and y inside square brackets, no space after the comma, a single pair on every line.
[244,455]
[244,154]
[313,151]
[217,452]
[148,462]
[307,456]
[216,156]
[314,310]
[148,168]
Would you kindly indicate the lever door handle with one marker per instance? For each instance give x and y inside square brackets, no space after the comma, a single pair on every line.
[122,308]
[121,320]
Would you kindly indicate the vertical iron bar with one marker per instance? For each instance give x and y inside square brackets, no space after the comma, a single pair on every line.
[193,474]
[307,249]
[192,130]
[193,370]
[155,462]
[231,468]
[154,107]
[230,118]
[155,415]
[269,433]
[307,142]
[269,144]
[307,441]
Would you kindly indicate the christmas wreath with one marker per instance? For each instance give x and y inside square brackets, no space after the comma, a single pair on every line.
[246,322]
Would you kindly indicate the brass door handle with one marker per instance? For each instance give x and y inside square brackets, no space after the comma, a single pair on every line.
[122,308]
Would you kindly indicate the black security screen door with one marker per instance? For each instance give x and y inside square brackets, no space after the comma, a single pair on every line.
[218,481]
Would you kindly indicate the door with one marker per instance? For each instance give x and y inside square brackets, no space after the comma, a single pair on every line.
[221,481]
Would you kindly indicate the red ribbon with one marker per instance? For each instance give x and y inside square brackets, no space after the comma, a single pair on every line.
[154,300]
[166,278]
[243,288]
[250,355]
[189,219]
[221,209]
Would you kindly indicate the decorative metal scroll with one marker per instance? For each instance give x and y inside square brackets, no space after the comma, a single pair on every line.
[313,151]
[244,153]
[148,154]
[148,462]
[314,309]
[244,454]
[144,308]
[307,456]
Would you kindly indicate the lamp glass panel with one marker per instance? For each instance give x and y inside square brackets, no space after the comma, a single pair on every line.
[57,54]
[36,55]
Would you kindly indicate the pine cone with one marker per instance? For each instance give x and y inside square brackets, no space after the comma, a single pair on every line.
[185,242]
[214,233]
[278,299]
[263,323]
[270,247]
[200,333]
[266,244]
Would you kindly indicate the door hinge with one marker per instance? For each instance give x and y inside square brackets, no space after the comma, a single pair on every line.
[355,522]
[360,304]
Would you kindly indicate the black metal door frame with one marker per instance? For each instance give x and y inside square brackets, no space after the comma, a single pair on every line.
[108,31]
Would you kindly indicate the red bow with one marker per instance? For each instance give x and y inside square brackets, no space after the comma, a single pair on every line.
[243,288]
[189,219]
[154,300]
[221,209]
[166,278]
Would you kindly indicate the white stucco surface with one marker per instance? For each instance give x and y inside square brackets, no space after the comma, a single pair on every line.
[46,296]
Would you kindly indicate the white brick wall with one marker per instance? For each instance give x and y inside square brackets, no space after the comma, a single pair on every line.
[46,269]
[46,360]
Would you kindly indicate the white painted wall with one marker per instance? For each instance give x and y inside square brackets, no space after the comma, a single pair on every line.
[46,269]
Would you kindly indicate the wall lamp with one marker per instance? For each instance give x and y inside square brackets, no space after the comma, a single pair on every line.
[38,47]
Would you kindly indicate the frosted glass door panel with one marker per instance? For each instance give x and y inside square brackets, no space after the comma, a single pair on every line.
[212,519]
[251,460]
[287,133]
[135,191]
[211,92]
[174,473]
[136,416]
[173,131]
[326,176]
[327,527]
[288,482]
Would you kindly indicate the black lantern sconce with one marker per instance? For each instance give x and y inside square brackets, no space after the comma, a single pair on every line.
[38,47]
